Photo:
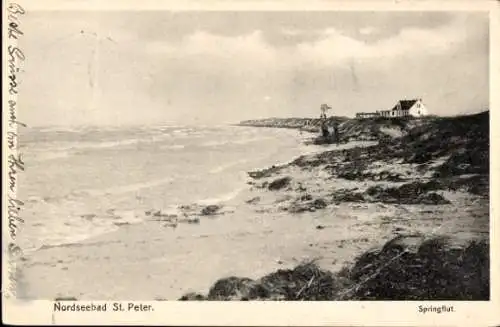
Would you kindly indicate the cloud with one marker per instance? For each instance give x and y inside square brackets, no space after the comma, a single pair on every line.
[369,30]
[290,31]
[335,48]
[203,76]
[332,48]
[245,47]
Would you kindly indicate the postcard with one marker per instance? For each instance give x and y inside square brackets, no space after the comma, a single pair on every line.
[250,163]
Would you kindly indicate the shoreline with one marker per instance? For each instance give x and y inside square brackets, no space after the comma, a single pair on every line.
[42,263]
[330,207]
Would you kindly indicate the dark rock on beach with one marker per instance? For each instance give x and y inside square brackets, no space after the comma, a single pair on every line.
[235,288]
[192,297]
[410,193]
[305,282]
[306,197]
[253,200]
[305,203]
[344,195]
[319,204]
[279,183]
[264,173]
[210,210]
[432,198]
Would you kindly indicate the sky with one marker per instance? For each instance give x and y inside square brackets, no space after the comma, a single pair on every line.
[132,67]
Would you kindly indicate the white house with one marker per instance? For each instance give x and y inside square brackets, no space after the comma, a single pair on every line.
[418,109]
[404,108]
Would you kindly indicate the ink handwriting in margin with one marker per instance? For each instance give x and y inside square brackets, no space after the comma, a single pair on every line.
[15,60]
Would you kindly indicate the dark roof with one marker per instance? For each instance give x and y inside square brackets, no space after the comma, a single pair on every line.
[405,104]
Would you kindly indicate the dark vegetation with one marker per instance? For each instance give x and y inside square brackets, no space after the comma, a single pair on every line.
[415,268]
[463,140]
[410,193]
[408,267]
[372,129]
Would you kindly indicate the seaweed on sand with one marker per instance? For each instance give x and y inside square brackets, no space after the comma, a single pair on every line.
[409,267]
[419,268]
[409,193]
[305,282]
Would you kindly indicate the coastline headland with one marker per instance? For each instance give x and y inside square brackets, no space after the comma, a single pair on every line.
[305,124]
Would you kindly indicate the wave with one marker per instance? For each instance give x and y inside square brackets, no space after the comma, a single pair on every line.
[226,142]
[221,198]
[47,156]
[70,232]
[77,227]
[221,168]
[172,147]
[60,150]
[251,140]
[56,129]
[111,144]
[122,189]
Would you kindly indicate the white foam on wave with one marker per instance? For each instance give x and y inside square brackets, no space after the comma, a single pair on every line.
[221,198]
[47,156]
[172,147]
[150,137]
[240,141]
[251,140]
[112,144]
[67,149]
[123,188]
[214,143]
[76,229]
[182,131]
[55,129]
[224,167]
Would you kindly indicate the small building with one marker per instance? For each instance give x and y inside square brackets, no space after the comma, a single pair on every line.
[404,108]
[384,113]
[365,115]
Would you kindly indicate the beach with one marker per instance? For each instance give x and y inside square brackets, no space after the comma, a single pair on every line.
[258,200]
[87,185]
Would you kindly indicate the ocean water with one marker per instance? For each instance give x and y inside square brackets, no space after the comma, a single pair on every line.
[82,182]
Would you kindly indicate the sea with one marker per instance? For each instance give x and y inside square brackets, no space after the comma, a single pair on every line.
[81,182]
